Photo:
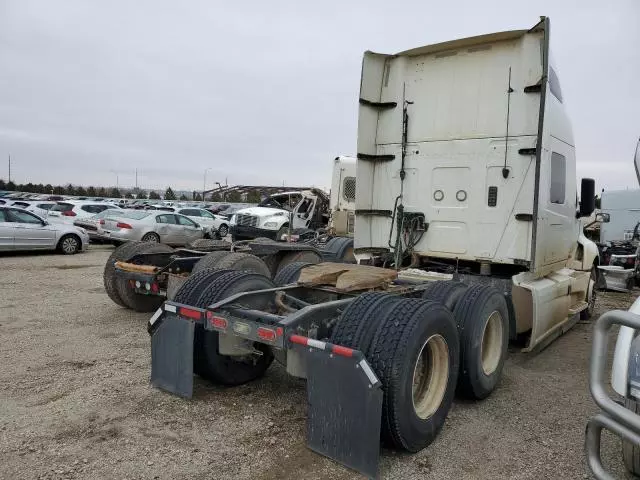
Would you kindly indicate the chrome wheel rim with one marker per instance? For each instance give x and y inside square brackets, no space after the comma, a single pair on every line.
[69,245]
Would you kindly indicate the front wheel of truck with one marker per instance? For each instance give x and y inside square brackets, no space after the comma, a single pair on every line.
[284,229]
[592,294]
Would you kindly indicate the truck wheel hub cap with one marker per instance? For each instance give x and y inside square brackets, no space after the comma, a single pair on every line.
[430,375]
[491,350]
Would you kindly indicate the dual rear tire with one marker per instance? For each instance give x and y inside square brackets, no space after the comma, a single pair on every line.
[412,346]
[425,351]
[209,286]
[482,318]
[268,266]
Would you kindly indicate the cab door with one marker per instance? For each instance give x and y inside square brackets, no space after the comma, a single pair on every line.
[303,212]
[557,205]
[167,227]
[190,230]
[30,232]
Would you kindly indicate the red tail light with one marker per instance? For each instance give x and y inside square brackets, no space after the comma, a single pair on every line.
[266,334]
[102,222]
[219,323]
[69,213]
[189,313]
[123,225]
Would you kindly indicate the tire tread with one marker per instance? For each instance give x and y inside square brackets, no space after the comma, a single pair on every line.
[290,273]
[244,262]
[466,313]
[109,274]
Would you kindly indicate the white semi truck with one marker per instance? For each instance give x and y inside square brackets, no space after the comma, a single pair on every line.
[281,213]
[466,163]
[467,234]
[342,202]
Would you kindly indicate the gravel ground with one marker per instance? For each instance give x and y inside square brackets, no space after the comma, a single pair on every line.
[75,401]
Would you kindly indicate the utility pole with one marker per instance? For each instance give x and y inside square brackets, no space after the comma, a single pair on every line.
[136,179]
[9,168]
[204,182]
[117,179]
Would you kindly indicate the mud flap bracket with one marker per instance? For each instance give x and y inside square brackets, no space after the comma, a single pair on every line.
[345,408]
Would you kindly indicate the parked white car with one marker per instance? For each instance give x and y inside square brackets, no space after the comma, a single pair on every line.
[23,230]
[16,203]
[211,221]
[69,210]
[40,208]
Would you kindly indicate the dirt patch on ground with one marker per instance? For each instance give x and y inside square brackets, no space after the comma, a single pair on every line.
[76,401]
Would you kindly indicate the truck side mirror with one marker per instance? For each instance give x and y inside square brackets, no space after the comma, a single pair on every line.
[636,161]
[587,197]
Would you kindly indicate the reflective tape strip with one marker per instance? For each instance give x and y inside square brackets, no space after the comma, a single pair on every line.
[170,308]
[316,344]
[367,370]
[156,316]
[343,351]
[298,339]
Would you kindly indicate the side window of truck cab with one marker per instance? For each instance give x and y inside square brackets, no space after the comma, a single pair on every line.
[558,178]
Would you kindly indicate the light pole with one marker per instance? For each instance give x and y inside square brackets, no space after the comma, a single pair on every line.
[204,182]
[117,179]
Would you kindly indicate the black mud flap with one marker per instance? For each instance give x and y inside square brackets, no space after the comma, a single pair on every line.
[345,408]
[172,355]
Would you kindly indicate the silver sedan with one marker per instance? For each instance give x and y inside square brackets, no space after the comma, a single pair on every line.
[150,226]
[22,230]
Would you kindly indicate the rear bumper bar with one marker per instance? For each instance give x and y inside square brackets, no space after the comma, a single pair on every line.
[344,394]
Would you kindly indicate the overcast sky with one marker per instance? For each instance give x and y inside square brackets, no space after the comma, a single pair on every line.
[266,91]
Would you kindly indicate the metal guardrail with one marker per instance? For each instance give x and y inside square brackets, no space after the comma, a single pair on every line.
[614,417]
